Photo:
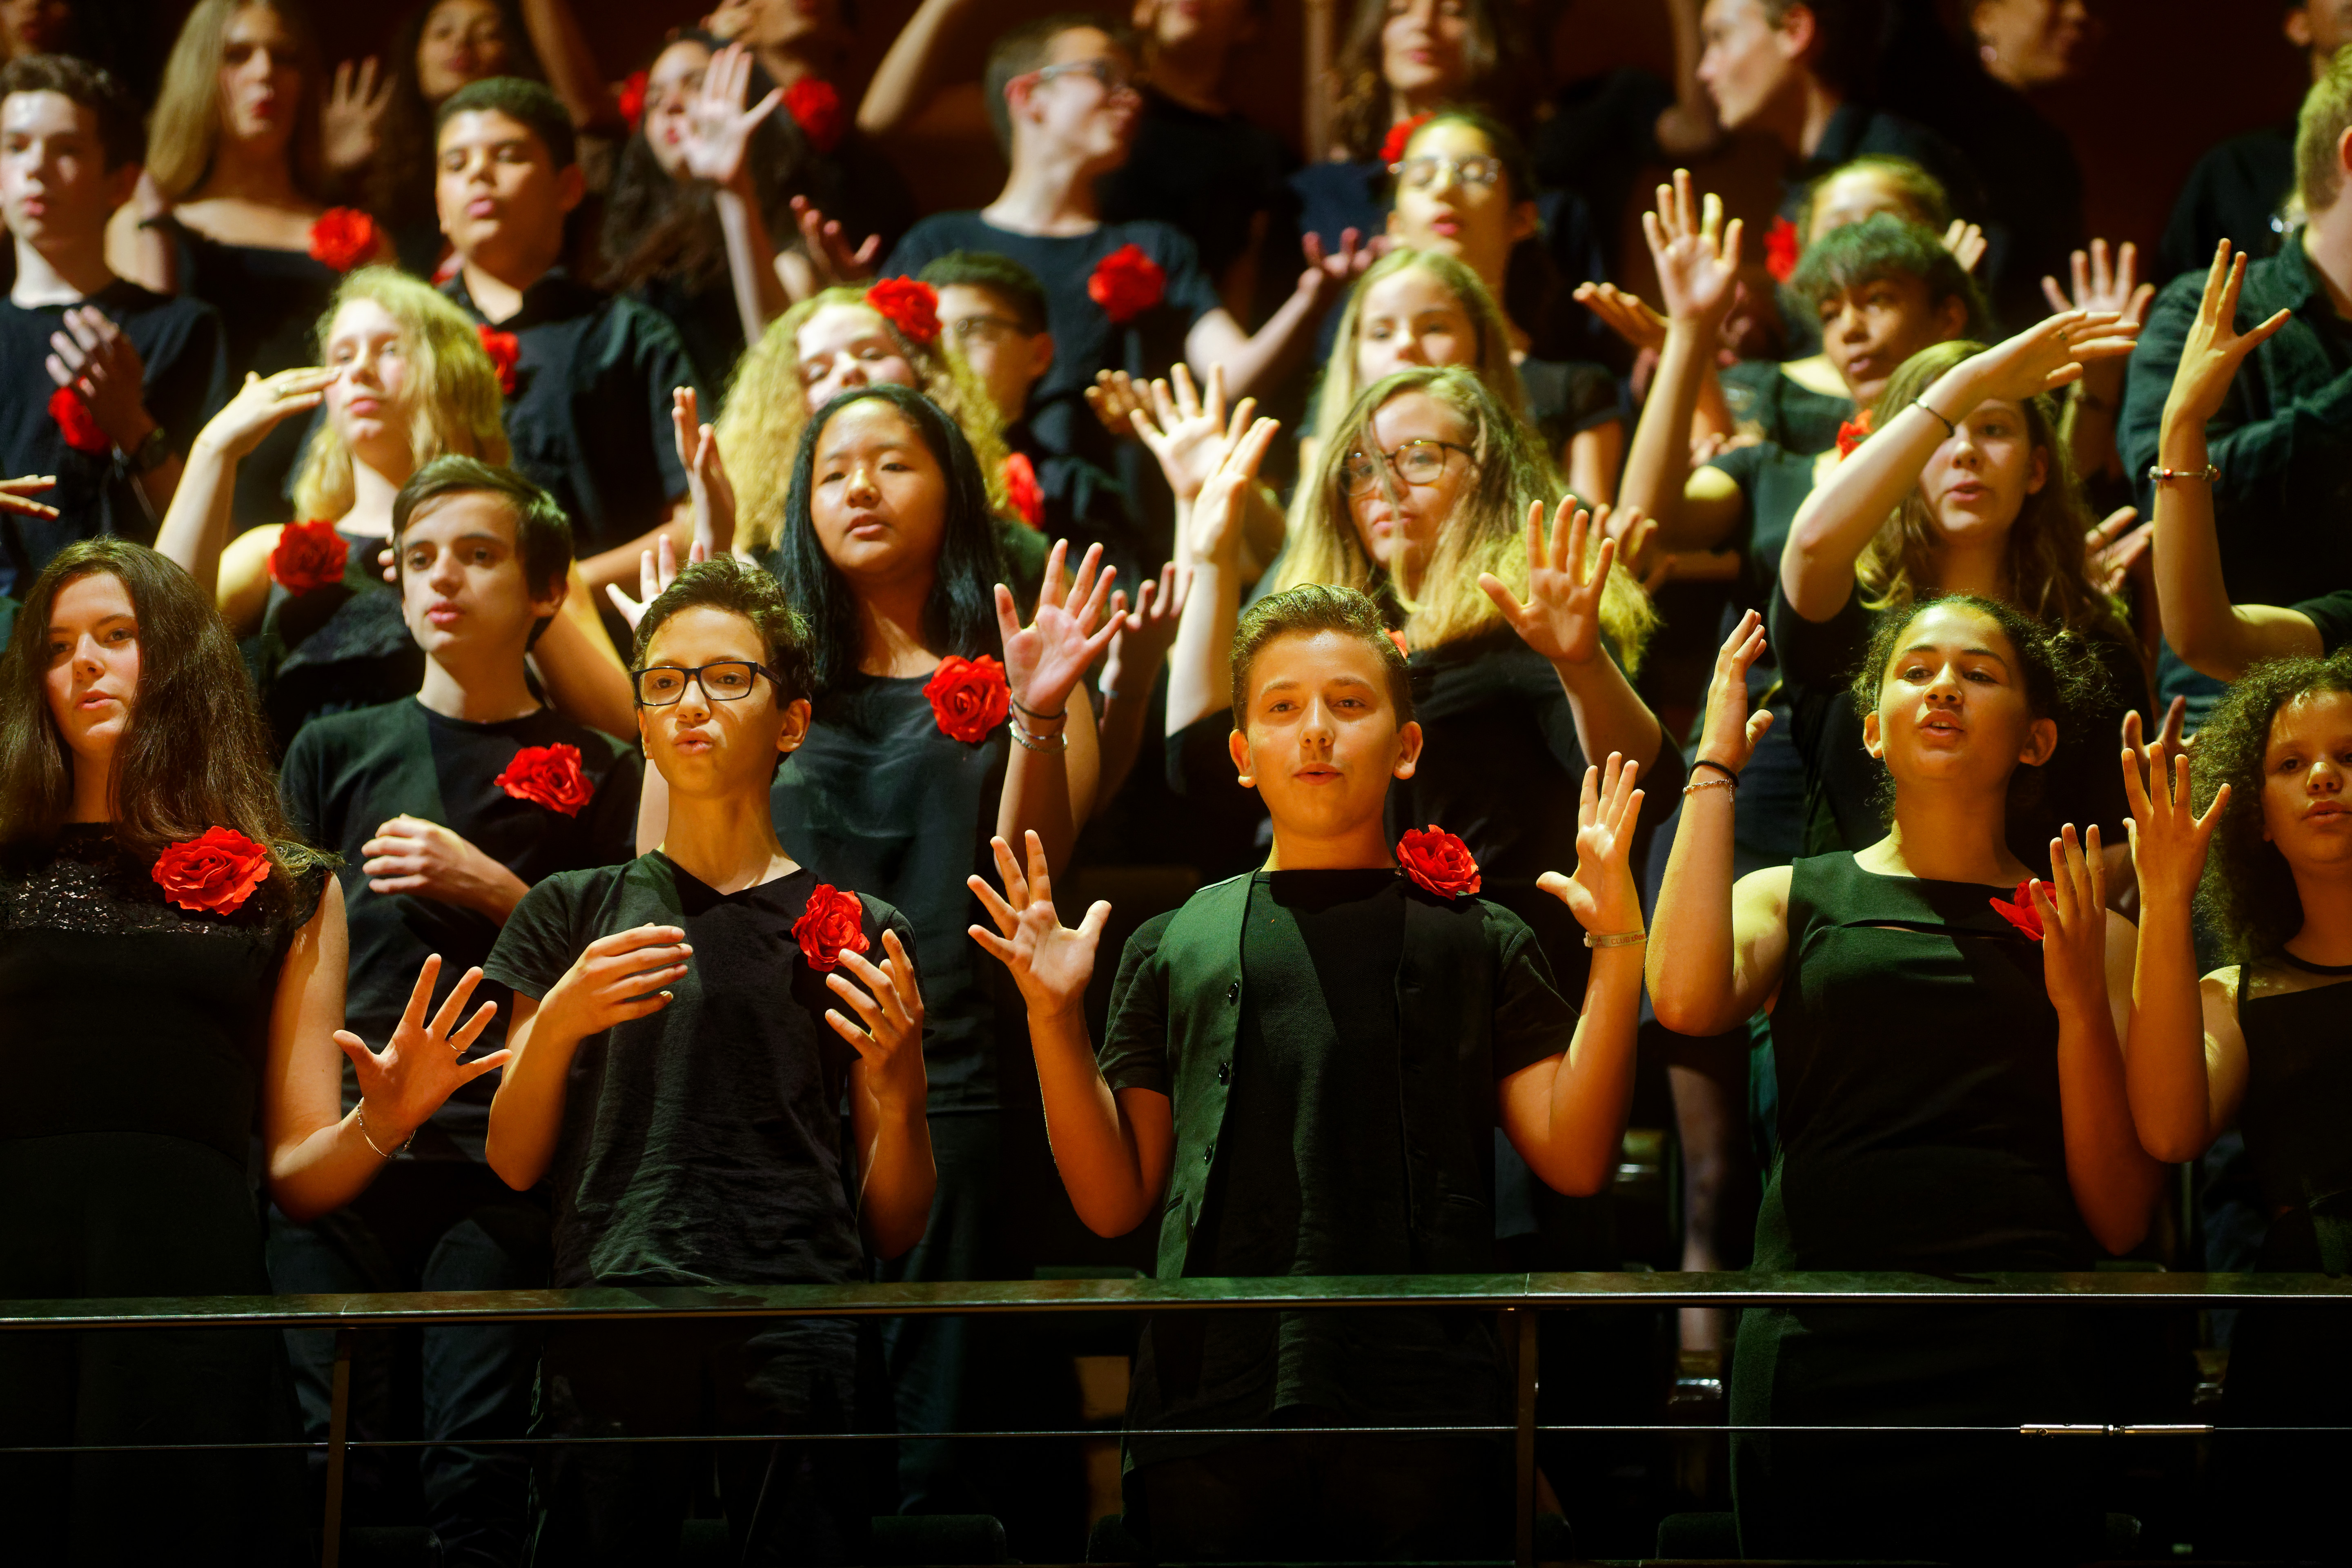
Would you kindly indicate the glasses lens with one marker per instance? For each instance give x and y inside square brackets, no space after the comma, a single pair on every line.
[1360,474]
[1421,461]
[727,681]
[656,687]
[1481,170]
[1421,173]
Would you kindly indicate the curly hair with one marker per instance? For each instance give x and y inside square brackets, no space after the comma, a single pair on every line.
[1501,73]
[2248,896]
[739,589]
[766,408]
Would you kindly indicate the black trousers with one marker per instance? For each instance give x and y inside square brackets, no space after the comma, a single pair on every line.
[426,1225]
[1319,1495]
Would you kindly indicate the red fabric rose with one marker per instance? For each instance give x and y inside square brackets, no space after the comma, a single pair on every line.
[969,697]
[213,873]
[1781,248]
[506,353]
[815,108]
[72,414]
[1398,637]
[1850,431]
[2021,912]
[1400,137]
[908,304]
[833,924]
[548,776]
[1438,861]
[632,98]
[1022,491]
[345,237]
[1126,283]
[308,555]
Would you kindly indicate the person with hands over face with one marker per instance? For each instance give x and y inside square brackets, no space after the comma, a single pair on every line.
[686,1026]
[1261,1040]
[1998,1136]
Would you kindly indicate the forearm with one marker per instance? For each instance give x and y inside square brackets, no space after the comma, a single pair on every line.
[1697,993]
[1592,1087]
[319,1170]
[196,525]
[2091,419]
[1689,128]
[896,1176]
[2211,634]
[1122,736]
[159,483]
[1657,465]
[1094,1148]
[1609,714]
[571,64]
[1050,792]
[1839,519]
[2113,1181]
[898,89]
[1200,674]
[2164,1056]
[527,1112]
[1255,361]
[1591,463]
[619,566]
[750,263]
[582,671]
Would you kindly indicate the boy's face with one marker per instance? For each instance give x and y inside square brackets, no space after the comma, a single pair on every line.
[1746,61]
[1083,100]
[1322,740]
[53,180]
[1006,357]
[498,189]
[717,747]
[462,583]
[1870,328]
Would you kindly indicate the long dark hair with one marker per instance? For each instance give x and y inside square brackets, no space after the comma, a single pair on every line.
[1499,69]
[195,753]
[960,616]
[400,181]
[2248,896]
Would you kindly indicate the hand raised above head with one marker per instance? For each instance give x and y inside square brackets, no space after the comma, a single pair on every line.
[1187,429]
[657,570]
[2215,348]
[1562,616]
[831,255]
[1696,253]
[718,128]
[263,404]
[2048,355]
[708,487]
[1224,501]
[1145,633]
[1051,963]
[1732,731]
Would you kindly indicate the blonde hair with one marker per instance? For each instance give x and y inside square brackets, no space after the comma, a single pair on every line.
[759,424]
[2319,130]
[453,397]
[184,132]
[1487,531]
[1337,392]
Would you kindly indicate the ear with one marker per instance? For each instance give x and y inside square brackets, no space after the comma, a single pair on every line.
[571,187]
[1238,746]
[1798,32]
[1524,221]
[1408,750]
[1951,319]
[1041,355]
[1871,740]
[547,603]
[2297,26]
[2037,474]
[796,727]
[2040,740]
[2344,151]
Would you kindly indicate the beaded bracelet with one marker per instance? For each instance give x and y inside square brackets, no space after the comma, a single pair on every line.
[1697,784]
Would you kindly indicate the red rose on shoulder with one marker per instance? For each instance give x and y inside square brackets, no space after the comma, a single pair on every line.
[1781,248]
[308,555]
[1022,491]
[213,873]
[506,353]
[345,237]
[2021,913]
[632,98]
[969,697]
[548,776]
[73,417]
[1400,137]
[909,305]
[1126,283]
[833,924]
[1852,431]
[1438,861]
[816,107]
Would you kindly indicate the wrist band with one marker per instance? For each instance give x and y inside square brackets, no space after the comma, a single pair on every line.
[1697,784]
[1728,772]
[360,1113]
[1615,939]
[1029,742]
[1033,713]
[2209,473]
[1920,404]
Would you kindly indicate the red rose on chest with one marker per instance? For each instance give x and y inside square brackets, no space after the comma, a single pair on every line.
[1399,138]
[2018,907]
[213,873]
[815,108]
[1022,491]
[1781,248]
[833,924]
[969,697]
[909,305]
[1438,861]
[548,776]
[1126,283]
[74,421]
[345,237]
[506,353]
[308,555]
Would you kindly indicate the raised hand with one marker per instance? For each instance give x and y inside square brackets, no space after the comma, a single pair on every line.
[1115,398]
[2103,284]
[1602,894]
[1145,634]
[410,854]
[830,255]
[1561,618]
[2048,355]
[1697,254]
[421,1064]
[1050,962]
[1187,431]
[707,483]
[15,495]
[1043,660]
[263,404]
[2168,837]
[2074,925]
[93,356]
[657,570]
[1333,271]
[2215,348]
[351,121]
[1218,510]
[1731,732]
[1966,243]
[615,980]
[718,128]
[1630,316]
[891,1008]
[2171,740]
[2116,547]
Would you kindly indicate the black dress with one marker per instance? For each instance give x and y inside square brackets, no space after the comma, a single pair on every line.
[1920,1130]
[1782,409]
[341,647]
[132,1036]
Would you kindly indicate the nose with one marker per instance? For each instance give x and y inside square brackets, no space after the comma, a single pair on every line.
[444,574]
[693,703]
[1315,732]
[2326,776]
[85,656]
[848,371]
[861,486]
[1945,687]
[1410,351]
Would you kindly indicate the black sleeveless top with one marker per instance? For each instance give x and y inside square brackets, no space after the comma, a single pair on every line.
[2297,1115]
[340,647]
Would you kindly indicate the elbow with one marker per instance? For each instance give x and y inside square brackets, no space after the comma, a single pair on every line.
[2118,1234]
[296,1204]
[1683,1014]
[521,1174]
[2174,1145]
[1110,1221]
[1586,1176]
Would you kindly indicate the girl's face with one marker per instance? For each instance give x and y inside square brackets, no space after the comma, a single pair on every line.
[34,26]
[1979,479]
[670,87]
[1452,196]
[845,346]
[1870,328]
[1422,47]
[93,679]
[464,41]
[1952,704]
[1854,195]
[2306,809]
[1398,520]
[717,746]
[368,403]
[878,498]
[1409,318]
[260,84]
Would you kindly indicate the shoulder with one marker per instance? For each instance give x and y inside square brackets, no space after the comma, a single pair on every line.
[1770,890]
[557,895]
[347,733]
[934,236]
[248,552]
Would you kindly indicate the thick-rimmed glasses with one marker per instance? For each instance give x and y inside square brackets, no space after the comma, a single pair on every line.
[1110,74]
[1422,171]
[725,680]
[1420,461]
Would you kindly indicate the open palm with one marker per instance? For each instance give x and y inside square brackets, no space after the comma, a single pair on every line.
[1602,895]
[421,1065]
[1051,963]
[717,127]
[1697,254]
[2215,348]
[1043,659]
[1560,619]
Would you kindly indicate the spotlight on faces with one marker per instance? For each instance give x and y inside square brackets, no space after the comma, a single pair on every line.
[2306,769]
[496,185]
[462,578]
[671,84]
[877,497]
[716,748]
[1399,522]
[1477,223]
[369,403]
[1870,328]
[463,42]
[1977,481]
[1410,319]
[52,167]
[92,676]
[1952,703]
[845,346]
[1322,740]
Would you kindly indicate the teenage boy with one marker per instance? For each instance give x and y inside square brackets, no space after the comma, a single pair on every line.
[1304,1070]
[142,372]
[684,1039]
[588,410]
[446,808]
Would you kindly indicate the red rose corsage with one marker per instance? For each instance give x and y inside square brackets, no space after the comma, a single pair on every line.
[1438,861]
[506,353]
[74,421]
[1126,283]
[1400,137]
[345,237]
[908,304]
[213,873]
[1398,637]
[1022,491]
[632,98]
[816,107]
[1852,431]
[969,697]
[308,555]
[833,924]
[1781,248]
[548,776]
[2018,907]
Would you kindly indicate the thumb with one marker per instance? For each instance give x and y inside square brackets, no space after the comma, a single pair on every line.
[357,1050]
[1504,600]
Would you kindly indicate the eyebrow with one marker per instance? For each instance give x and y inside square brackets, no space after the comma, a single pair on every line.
[884,450]
[105,620]
[1964,653]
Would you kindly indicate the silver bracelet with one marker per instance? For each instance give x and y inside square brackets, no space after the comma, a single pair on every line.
[1060,740]
[2162,475]
[1616,939]
[1730,784]
[360,1113]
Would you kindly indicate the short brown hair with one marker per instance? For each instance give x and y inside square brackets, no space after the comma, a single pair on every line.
[543,533]
[1027,47]
[2319,130]
[739,589]
[122,127]
[1303,611]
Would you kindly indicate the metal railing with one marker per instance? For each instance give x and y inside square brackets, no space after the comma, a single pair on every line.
[1520,1298]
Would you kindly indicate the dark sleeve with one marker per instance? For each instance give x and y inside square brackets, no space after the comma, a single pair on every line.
[537,944]
[1742,464]
[663,367]
[2148,381]
[613,836]
[1532,1019]
[917,249]
[2331,613]
[1816,653]
[1134,1053]
[1190,293]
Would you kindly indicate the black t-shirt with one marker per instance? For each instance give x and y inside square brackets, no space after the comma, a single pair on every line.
[184,374]
[1601,133]
[2331,613]
[1773,484]
[1567,397]
[2236,192]
[1206,175]
[701,1144]
[590,416]
[347,774]
[1782,409]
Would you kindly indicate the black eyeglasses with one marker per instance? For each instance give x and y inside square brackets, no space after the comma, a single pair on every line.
[1419,461]
[1110,74]
[725,680]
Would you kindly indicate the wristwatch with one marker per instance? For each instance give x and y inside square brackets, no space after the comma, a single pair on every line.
[151,453]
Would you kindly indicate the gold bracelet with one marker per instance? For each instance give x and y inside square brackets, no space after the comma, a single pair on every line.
[1616,939]
[1697,784]
[360,1113]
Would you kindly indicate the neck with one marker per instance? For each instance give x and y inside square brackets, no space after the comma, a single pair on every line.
[1946,833]
[1190,75]
[1798,115]
[890,624]
[727,842]
[1049,193]
[93,789]
[373,489]
[488,688]
[251,171]
[62,272]
[1403,106]
[788,63]
[1361,847]
[2327,247]
[497,283]
[1977,567]
[2326,893]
